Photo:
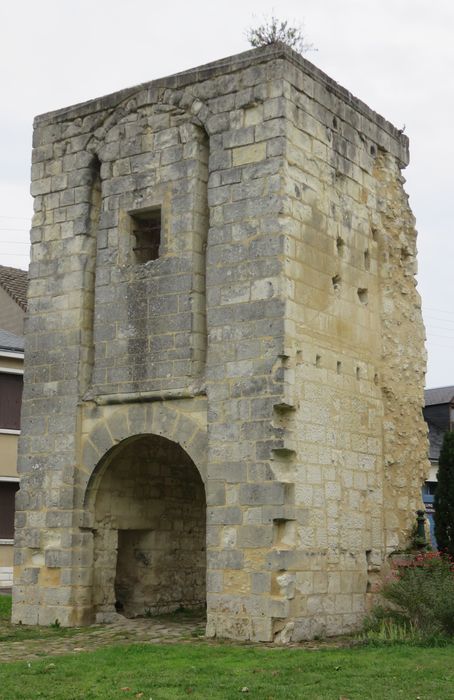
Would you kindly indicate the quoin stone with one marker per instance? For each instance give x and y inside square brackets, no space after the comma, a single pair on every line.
[224,355]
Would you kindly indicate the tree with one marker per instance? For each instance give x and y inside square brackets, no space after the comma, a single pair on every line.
[275,31]
[444,497]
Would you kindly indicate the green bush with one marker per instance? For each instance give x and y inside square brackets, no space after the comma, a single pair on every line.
[419,600]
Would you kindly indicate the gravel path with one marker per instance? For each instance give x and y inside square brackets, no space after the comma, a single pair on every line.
[145,631]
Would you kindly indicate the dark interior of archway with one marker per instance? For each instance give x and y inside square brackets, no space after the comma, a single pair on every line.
[150,530]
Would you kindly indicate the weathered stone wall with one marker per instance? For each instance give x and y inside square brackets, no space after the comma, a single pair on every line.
[352,314]
[159,338]
[277,338]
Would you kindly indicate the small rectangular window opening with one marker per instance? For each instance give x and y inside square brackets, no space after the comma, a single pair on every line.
[146,229]
[7,495]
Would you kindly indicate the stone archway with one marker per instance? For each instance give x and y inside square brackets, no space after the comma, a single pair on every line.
[148,510]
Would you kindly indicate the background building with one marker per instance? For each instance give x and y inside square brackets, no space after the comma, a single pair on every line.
[439,416]
[13,301]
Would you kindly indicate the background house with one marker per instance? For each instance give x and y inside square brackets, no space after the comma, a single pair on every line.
[439,416]
[13,300]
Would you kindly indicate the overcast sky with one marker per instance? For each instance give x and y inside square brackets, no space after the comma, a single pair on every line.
[396,55]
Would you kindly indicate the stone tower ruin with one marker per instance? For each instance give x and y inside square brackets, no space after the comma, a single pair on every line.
[224,354]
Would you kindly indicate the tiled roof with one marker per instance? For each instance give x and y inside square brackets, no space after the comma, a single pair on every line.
[11,342]
[442,394]
[15,283]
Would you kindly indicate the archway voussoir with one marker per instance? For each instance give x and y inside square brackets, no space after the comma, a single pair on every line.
[101,438]
[118,425]
[164,420]
[185,430]
[198,450]
[137,419]
[90,455]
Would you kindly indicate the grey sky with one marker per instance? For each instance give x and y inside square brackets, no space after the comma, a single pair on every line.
[396,55]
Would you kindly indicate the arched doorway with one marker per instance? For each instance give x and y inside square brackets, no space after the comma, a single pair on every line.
[149,517]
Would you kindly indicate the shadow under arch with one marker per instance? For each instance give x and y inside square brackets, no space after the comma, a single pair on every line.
[146,504]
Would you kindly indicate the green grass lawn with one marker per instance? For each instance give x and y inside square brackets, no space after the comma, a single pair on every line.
[5,607]
[17,633]
[222,671]
[214,671]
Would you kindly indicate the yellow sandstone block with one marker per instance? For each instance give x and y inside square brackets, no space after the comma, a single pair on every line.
[49,577]
[236,582]
[249,154]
